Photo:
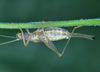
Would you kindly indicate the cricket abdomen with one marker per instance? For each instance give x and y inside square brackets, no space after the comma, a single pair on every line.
[55,33]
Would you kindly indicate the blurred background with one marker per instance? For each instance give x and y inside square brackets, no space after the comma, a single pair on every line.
[81,55]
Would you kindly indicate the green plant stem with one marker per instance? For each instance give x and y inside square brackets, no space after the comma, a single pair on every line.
[86,22]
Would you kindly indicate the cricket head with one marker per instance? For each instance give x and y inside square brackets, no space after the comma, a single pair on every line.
[19,36]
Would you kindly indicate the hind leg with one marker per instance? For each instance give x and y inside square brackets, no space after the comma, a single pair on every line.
[70,38]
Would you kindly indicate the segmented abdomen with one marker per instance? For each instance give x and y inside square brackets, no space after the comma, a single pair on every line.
[55,33]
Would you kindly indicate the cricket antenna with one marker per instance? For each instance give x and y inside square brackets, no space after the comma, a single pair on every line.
[7,36]
[9,42]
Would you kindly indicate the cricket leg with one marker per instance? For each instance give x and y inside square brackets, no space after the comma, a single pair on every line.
[48,43]
[28,40]
[25,43]
[44,35]
[28,31]
[70,38]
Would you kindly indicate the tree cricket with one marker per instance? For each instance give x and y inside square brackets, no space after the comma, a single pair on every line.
[47,35]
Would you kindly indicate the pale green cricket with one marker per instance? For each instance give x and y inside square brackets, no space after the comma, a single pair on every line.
[47,35]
